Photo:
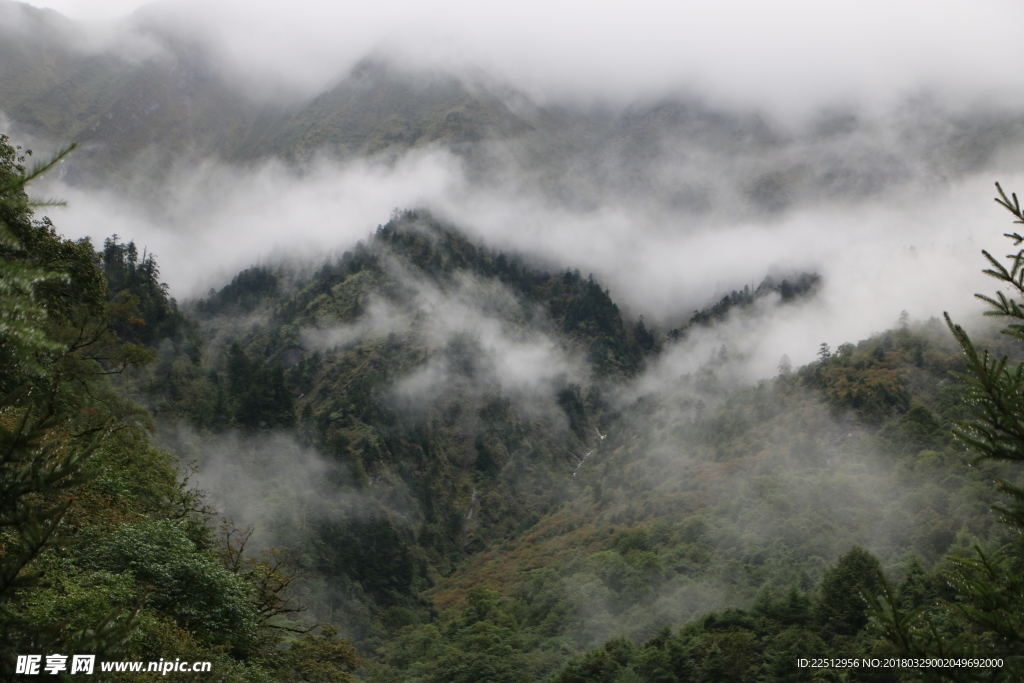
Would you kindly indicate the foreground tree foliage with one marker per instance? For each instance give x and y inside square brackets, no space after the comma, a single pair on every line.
[38,468]
[985,616]
[103,549]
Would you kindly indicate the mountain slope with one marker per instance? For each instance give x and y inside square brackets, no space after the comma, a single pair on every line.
[170,106]
[377,108]
[143,113]
[696,502]
[424,420]
[441,396]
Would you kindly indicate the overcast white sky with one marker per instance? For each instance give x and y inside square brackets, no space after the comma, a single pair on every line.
[87,9]
[782,54]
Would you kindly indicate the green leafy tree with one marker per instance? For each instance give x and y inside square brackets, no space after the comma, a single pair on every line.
[320,658]
[54,317]
[180,580]
[102,549]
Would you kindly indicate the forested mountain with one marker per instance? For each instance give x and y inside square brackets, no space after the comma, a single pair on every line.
[104,551]
[452,390]
[162,102]
[438,432]
[438,446]
[445,454]
[171,104]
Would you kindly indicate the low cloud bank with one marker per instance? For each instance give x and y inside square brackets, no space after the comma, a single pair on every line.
[917,252]
[270,482]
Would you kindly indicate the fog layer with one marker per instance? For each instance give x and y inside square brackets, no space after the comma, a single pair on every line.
[786,56]
[676,151]
[917,252]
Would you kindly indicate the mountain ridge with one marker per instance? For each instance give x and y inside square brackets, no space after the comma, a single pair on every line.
[137,118]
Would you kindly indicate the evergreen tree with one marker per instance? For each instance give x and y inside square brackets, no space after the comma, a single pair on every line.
[37,468]
[841,610]
[36,471]
[987,617]
[134,284]
[23,338]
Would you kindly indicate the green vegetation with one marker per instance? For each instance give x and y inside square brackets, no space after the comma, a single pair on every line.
[684,509]
[460,510]
[982,615]
[801,286]
[432,477]
[475,548]
[438,446]
[104,550]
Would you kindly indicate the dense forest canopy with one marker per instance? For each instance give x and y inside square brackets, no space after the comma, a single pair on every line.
[425,508]
[105,550]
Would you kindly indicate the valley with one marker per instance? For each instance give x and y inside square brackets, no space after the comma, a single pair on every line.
[417,372]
